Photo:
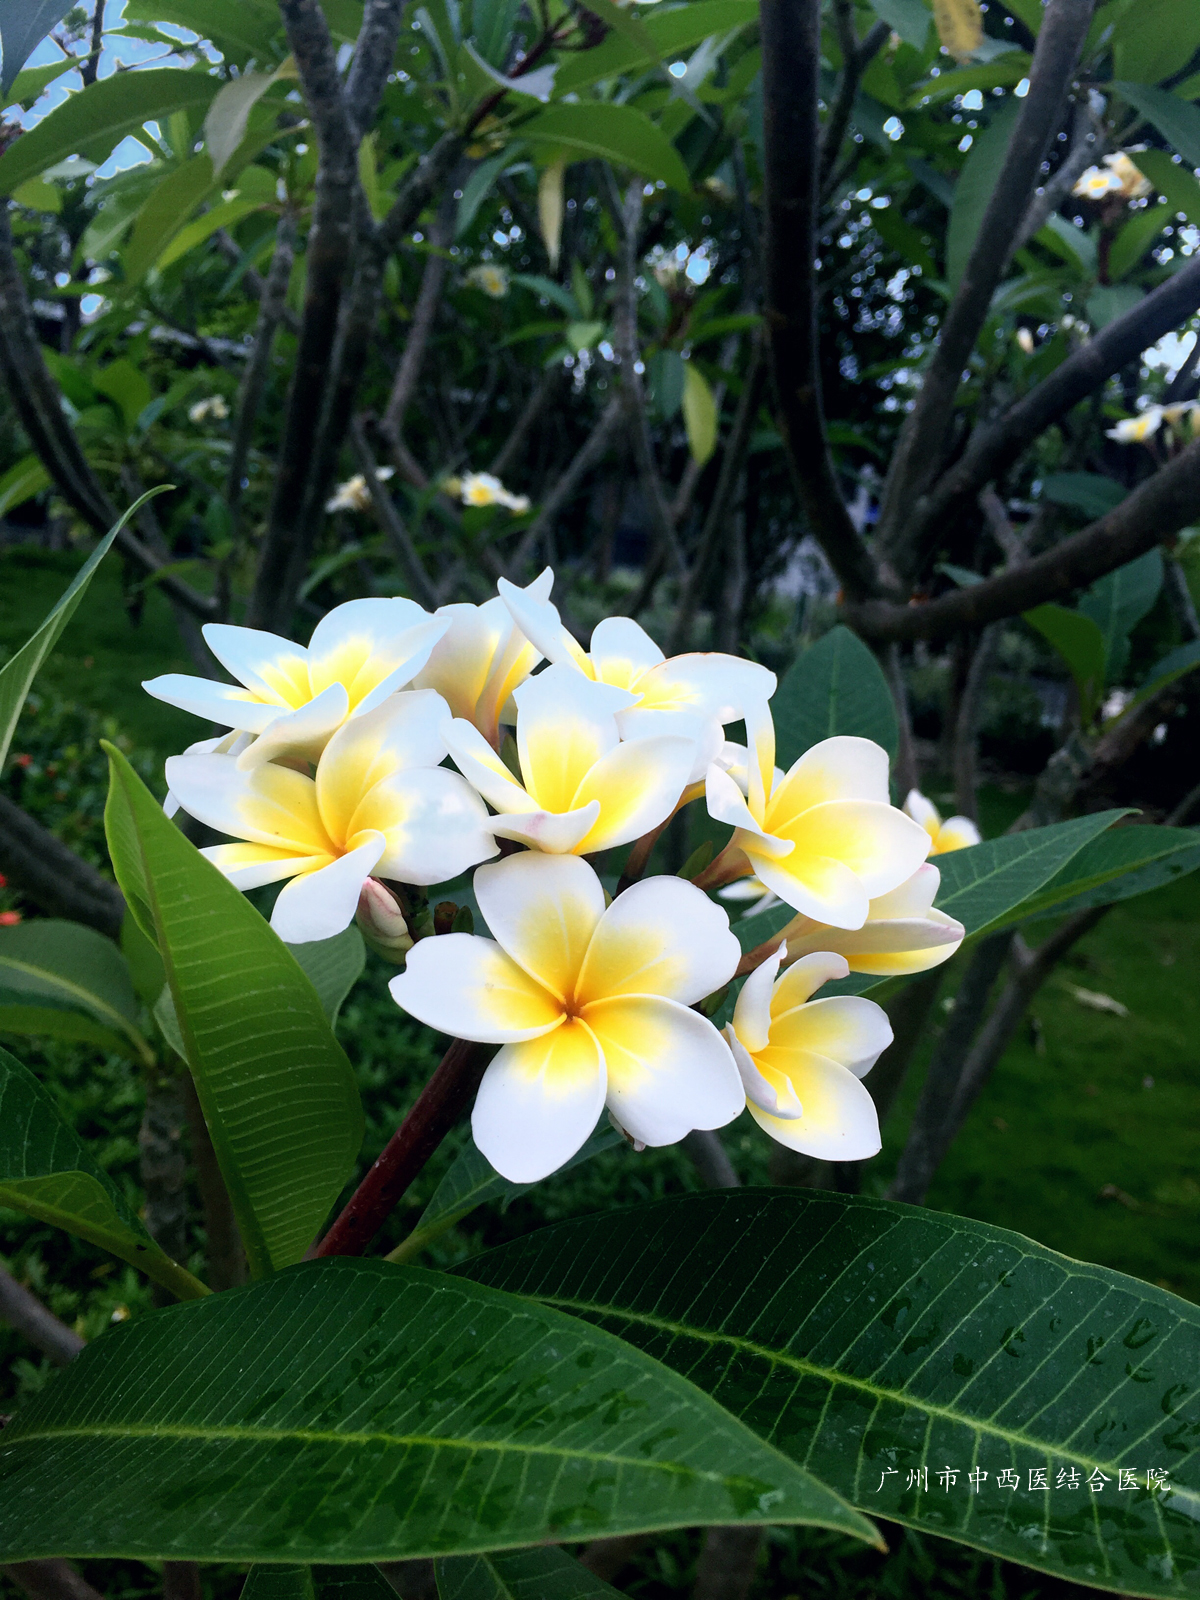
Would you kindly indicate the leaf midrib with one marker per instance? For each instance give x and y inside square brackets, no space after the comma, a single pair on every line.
[833,1377]
[86,997]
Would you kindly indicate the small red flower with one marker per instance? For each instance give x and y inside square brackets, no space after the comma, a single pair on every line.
[3,881]
[23,760]
[9,919]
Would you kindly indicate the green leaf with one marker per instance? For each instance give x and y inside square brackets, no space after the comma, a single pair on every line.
[836,687]
[472,1181]
[1110,301]
[46,1172]
[909,18]
[1135,237]
[1117,602]
[547,289]
[33,82]
[1003,72]
[225,215]
[276,1089]
[871,1340]
[352,1583]
[333,967]
[982,884]
[1155,39]
[974,189]
[1176,119]
[519,1575]
[1173,179]
[699,414]
[671,33]
[21,482]
[478,186]
[1089,493]
[616,133]
[350,1410]
[1079,640]
[270,1581]
[246,27]
[126,386]
[1173,665]
[1072,244]
[1114,867]
[227,118]
[23,26]
[166,210]
[66,974]
[18,673]
[100,115]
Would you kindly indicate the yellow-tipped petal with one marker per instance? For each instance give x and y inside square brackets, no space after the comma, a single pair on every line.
[843,768]
[469,988]
[271,805]
[846,1028]
[565,724]
[543,911]
[638,784]
[663,936]
[838,1121]
[539,1101]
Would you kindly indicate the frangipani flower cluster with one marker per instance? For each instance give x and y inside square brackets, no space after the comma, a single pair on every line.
[1180,418]
[1118,176]
[400,750]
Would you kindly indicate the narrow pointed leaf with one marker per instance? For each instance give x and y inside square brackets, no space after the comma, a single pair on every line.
[871,1340]
[277,1091]
[1115,866]
[355,1411]
[519,1575]
[72,977]
[46,1172]
[23,26]
[836,687]
[18,674]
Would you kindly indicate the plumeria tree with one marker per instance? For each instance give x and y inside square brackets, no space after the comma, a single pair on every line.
[508,354]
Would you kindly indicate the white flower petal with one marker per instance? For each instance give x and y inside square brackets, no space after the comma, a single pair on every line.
[880,845]
[271,667]
[405,733]
[839,1121]
[318,905]
[847,1028]
[779,1101]
[727,803]
[752,1013]
[434,824]
[222,703]
[621,650]
[669,1070]
[250,866]
[913,898]
[538,1102]
[542,910]
[842,768]
[554,832]
[271,805]
[818,886]
[565,723]
[956,833]
[467,987]
[638,785]
[706,738]
[299,733]
[805,976]
[663,936]
[720,686]
[373,646]
[923,811]
[483,768]
[541,624]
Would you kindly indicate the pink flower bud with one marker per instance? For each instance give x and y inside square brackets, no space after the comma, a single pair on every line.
[382,923]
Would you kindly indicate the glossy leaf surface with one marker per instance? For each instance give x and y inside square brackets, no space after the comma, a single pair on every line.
[354,1411]
[519,1575]
[836,687]
[46,1172]
[277,1091]
[70,982]
[873,1341]
[616,133]
[333,967]
[1114,867]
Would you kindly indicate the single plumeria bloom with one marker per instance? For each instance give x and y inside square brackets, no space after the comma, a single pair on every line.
[692,695]
[379,804]
[956,833]
[484,489]
[801,1060]
[1097,183]
[903,932]
[591,1006]
[213,406]
[480,659]
[822,836]
[355,493]
[492,280]
[1136,430]
[582,787]
[1134,183]
[295,698]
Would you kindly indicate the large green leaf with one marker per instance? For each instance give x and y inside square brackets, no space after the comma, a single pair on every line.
[277,1091]
[1177,120]
[472,1181]
[99,116]
[46,1172]
[333,967]
[1079,640]
[18,674]
[63,979]
[355,1411]
[166,210]
[23,26]
[1155,39]
[671,33]
[1112,868]
[519,1575]
[616,133]
[836,687]
[974,189]
[871,1341]
[1117,602]
[1174,181]
[1172,666]
[240,28]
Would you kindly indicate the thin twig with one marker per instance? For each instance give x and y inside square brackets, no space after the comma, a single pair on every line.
[420,329]
[391,521]
[37,1322]
[254,379]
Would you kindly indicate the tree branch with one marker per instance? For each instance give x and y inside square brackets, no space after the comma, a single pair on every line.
[50,1580]
[271,305]
[59,882]
[420,329]
[26,1313]
[391,521]
[856,58]
[791,44]
[1086,146]
[994,447]
[374,52]
[590,453]
[1150,514]
[922,441]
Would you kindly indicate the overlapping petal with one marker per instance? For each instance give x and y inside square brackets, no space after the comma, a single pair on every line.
[664,937]
[637,785]
[269,805]
[469,988]
[838,1121]
[902,933]
[539,1101]
[404,732]
[223,703]
[372,647]
[846,1028]
[565,724]
[842,768]
[543,911]
[319,904]
[433,823]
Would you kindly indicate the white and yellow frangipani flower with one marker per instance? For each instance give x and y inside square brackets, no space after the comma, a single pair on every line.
[492,280]
[801,1060]
[1135,185]
[590,1005]
[692,695]
[1097,183]
[1136,430]
[485,489]
[379,804]
[582,787]
[355,493]
[903,932]
[213,406]
[822,836]
[293,698]
[480,659]
[955,833]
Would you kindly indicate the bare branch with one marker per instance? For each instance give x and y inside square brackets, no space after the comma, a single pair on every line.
[391,521]
[59,882]
[1168,501]
[50,1580]
[856,58]
[420,329]
[791,41]
[994,447]
[549,381]
[374,52]
[922,441]
[254,379]
[37,1322]
[588,456]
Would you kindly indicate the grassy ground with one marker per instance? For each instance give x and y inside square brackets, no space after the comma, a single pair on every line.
[1086,1138]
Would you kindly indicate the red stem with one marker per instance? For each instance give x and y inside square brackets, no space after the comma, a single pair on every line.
[439,1106]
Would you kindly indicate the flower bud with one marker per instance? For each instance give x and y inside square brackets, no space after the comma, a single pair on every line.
[382,923]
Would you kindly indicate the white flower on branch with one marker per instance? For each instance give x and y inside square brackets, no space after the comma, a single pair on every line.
[955,833]
[903,932]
